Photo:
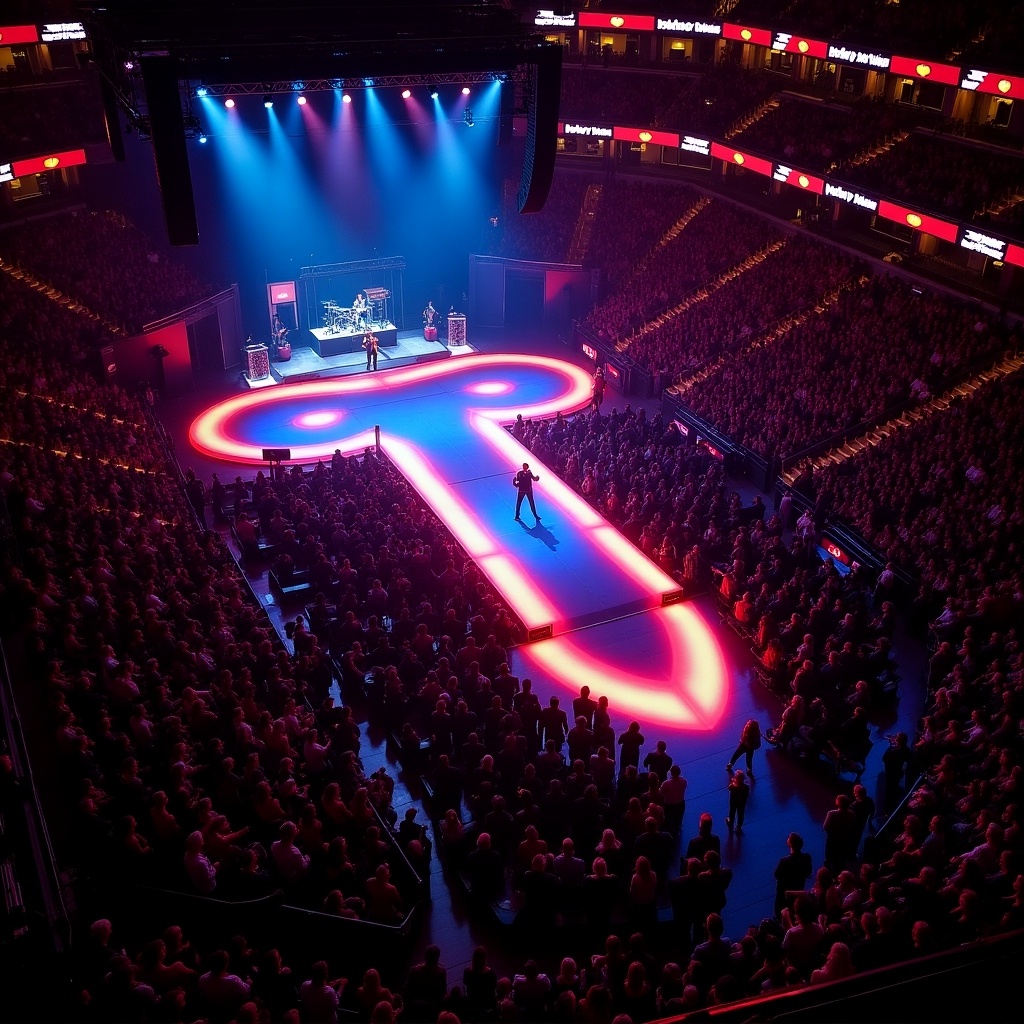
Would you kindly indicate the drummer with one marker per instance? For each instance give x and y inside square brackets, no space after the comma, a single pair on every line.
[361,309]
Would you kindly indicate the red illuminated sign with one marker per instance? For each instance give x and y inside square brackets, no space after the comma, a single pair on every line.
[12,34]
[51,162]
[612,372]
[647,135]
[734,156]
[925,69]
[994,83]
[801,179]
[281,292]
[835,551]
[1015,254]
[758,36]
[788,43]
[943,229]
[617,22]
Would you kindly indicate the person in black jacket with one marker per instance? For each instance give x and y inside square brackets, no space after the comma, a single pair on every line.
[792,871]
[523,482]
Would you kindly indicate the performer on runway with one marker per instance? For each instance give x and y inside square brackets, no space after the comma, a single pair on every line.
[523,482]
[428,314]
[371,345]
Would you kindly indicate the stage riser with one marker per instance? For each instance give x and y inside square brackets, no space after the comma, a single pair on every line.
[348,371]
[342,343]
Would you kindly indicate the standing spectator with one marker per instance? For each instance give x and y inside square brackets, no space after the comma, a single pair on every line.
[319,997]
[223,991]
[739,793]
[792,871]
[427,986]
[750,740]
[673,793]
[840,834]
[631,741]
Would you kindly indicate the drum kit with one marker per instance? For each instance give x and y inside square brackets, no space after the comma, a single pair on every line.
[339,319]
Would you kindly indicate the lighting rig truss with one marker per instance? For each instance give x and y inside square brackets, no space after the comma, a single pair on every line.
[351,84]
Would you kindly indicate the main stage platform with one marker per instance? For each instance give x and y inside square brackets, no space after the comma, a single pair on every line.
[332,343]
[408,348]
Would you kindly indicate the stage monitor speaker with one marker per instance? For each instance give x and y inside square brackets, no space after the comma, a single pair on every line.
[167,125]
[277,454]
[541,128]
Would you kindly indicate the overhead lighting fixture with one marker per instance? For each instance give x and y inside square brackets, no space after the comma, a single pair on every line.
[432,86]
[268,100]
[346,98]
[468,117]
[368,82]
[202,139]
[302,101]
[298,86]
[465,90]
[229,103]
[406,93]
[202,91]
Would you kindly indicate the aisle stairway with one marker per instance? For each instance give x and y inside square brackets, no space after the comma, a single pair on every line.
[875,435]
[743,123]
[775,332]
[580,244]
[703,292]
[876,150]
[56,295]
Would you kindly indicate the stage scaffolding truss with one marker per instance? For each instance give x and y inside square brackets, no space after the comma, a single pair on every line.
[338,283]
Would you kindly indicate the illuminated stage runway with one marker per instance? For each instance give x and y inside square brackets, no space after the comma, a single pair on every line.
[673,669]
[443,425]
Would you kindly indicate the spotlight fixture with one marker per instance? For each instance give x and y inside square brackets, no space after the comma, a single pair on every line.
[406,93]
[202,91]
[346,98]
[302,101]
[467,116]
[465,90]
[229,103]
[202,139]
[268,100]
[432,87]
[336,83]
[298,86]
[368,82]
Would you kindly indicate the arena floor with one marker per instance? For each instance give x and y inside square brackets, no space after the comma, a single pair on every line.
[675,669]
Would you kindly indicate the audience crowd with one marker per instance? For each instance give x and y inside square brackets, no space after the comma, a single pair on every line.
[878,344]
[820,136]
[792,278]
[940,174]
[717,236]
[196,752]
[104,262]
[547,238]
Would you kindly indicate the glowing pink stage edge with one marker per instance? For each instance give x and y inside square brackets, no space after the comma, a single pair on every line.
[691,694]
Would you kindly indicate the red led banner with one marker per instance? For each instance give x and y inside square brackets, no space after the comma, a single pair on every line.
[11,34]
[993,82]
[647,135]
[734,156]
[914,68]
[51,162]
[618,22]
[918,221]
[758,36]
[788,43]
[801,179]
[281,292]
[1015,254]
